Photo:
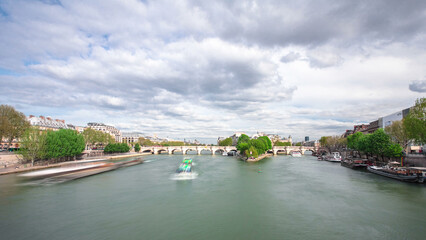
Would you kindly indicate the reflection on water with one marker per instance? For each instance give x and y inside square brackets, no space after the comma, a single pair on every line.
[291,198]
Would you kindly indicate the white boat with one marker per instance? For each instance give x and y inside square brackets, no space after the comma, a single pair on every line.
[224,154]
[296,154]
[334,157]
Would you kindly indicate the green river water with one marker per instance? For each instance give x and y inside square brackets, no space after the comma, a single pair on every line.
[290,198]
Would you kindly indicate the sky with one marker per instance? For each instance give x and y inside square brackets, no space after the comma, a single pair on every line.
[204,69]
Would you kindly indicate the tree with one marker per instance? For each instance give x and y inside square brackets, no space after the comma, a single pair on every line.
[243,143]
[363,143]
[96,138]
[267,142]
[282,144]
[251,152]
[12,123]
[117,148]
[65,143]
[226,142]
[137,147]
[353,139]
[259,145]
[33,145]
[415,122]
[379,142]
[323,140]
[145,142]
[398,133]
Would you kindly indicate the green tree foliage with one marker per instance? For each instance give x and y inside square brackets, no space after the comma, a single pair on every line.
[65,143]
[172,143]
[33,145]
[242,147]
[252,147]
[377,143]
[298,144]
[12,123]
[415,122]
[323,141]
[117,148]
[226,142]
[353,138]
[95,138]
[282,144]
[251,152]
[333,143]
[398,133]
[363,143]
[137,147]
[267,142]
[145,142]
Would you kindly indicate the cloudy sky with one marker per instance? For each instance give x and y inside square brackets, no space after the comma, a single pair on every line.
[203,69]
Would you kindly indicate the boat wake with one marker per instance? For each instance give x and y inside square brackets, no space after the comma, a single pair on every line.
[184,176]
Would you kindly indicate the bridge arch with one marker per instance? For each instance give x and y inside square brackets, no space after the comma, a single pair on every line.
[206,151]
[147,151]
[160,151]
[281,151]
[307,151]
[177,150]
[219,151]
[190,151]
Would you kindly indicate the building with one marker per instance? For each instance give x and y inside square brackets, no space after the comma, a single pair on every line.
[107,129]
[313,143]
[307,139]
[235,137]
[131,138]
[47,123]
[379,123]
[77,128]
[219,139]
[389,119]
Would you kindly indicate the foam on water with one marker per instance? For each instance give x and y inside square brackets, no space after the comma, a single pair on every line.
[184,176]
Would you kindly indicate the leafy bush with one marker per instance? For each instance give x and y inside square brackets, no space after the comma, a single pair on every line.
[117,148]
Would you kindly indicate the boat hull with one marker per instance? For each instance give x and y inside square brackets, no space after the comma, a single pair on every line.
[394,176]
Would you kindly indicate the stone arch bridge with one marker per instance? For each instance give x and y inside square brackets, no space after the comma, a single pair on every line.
[221,149]
[289,149]
[185,149]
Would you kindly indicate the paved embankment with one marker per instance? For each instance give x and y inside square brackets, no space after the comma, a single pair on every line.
[27,167]
[259,158]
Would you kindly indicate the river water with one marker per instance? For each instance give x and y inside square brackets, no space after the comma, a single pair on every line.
[278,198]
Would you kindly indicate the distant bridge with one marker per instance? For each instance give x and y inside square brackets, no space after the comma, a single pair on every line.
[221,149]
[289,149]
[185,149]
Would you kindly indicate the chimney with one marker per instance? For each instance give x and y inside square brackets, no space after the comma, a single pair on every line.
[48,118]
[31,116]
[42,117]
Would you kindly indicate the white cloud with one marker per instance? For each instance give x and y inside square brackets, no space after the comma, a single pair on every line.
[189,68]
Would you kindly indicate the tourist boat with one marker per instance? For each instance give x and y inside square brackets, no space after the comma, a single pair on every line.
[224,154]
[391,170]
[60,171]
[421,173]
[81,170]
[354,163]
[296,154]
[333,157]
[185,167]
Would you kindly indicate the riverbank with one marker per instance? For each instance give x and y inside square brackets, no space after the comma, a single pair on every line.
[20,168]
[259,158]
